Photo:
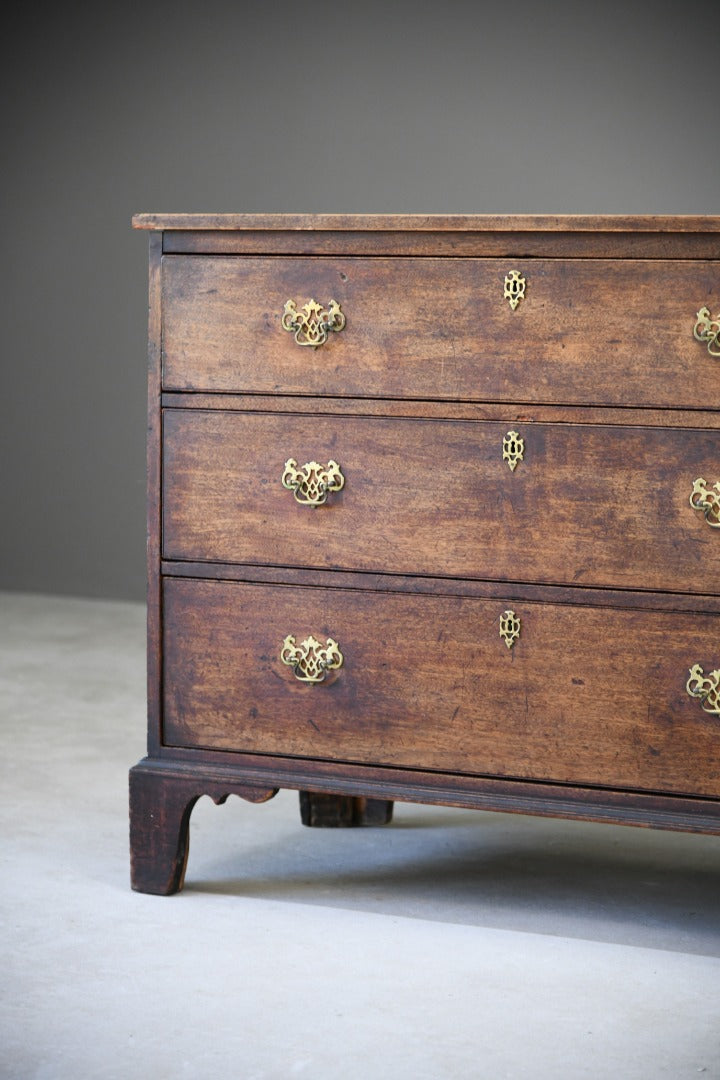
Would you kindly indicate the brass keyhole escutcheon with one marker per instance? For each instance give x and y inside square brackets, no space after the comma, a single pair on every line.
[514,288]
[509,627]
[513,449]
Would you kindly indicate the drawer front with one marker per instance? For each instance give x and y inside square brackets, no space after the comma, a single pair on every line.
[587,331]
[586,505]
[592,696]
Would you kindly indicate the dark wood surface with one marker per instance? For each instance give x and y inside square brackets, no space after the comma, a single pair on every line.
[154,494]
[588,332]
[639,600]
[592,541]
[323,811]
[422,244]
[422,409]
[592,803]
[452,223]
[587,505]
[160,809]
[586,695]
[163,793]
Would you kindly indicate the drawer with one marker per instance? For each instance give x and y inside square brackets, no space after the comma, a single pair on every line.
[588,331]
[586,695]
[586,505]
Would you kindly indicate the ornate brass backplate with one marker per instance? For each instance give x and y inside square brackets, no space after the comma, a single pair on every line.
[509,628]
[312,324]
[513,449]
[310,661]
[707,499]
[312,483]
[706,688]
[514,288]
[707,329]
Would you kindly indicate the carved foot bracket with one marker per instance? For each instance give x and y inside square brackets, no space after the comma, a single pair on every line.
[343,811]
[161,803]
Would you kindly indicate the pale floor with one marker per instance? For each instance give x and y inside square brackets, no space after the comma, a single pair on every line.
[452,944]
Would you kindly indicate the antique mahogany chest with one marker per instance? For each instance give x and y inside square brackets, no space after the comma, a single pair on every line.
[434,516]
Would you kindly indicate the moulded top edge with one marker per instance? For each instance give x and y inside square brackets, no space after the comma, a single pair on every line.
[683,223]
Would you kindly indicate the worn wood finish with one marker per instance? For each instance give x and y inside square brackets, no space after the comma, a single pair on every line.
[455,224]
[510,414]
[588,331]
[154,511]
[443,586]
[591,541]
[160,809]
[427,682]
[588,505]
[516,244]
[324,811]
[681,813]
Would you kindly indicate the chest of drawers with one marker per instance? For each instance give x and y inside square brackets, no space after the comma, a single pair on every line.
[434,516]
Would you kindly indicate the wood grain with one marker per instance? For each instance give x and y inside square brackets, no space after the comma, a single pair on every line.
[588,332]
[586,696]
[421,244]
[154,495]
[224,770]
[443,586]
[588,505]
[160,809]
[322,811]
[455,223]
[591,541]
[509,413]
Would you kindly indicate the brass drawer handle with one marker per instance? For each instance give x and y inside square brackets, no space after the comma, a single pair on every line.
[707,499]
[707,329]
[706,688]
[312,324]
[310,661]
[312,483]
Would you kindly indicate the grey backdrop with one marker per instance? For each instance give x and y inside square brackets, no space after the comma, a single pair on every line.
[452,107]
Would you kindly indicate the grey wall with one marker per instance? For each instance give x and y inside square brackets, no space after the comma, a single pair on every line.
[452,107]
